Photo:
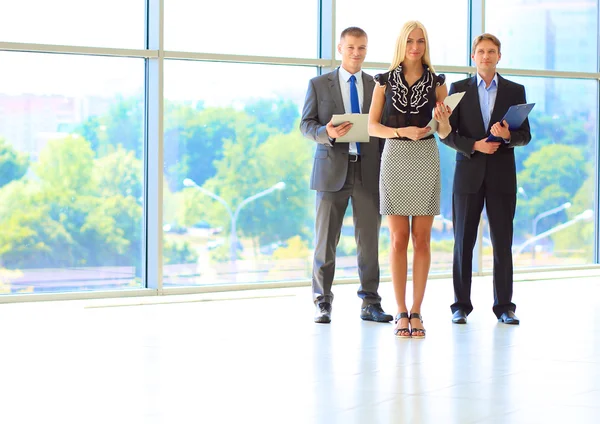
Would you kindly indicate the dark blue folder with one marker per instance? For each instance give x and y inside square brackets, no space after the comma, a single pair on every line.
[515,116]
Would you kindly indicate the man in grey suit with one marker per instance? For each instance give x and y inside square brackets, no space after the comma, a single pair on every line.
[344,172]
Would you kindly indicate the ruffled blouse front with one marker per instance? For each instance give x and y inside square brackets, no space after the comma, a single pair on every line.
[405,105]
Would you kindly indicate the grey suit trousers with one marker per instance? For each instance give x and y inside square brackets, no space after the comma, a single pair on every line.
[330,209]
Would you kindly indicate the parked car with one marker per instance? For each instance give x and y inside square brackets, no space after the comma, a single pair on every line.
[174,228]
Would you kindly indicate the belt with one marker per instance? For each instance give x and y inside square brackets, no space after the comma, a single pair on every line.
[353,158]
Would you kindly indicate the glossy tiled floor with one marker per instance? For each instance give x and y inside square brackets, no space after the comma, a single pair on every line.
[259,358]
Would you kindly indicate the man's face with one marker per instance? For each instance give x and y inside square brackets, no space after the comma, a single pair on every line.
[353,50]
[486,56]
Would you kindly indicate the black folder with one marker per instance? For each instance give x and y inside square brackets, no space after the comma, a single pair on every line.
[515,116]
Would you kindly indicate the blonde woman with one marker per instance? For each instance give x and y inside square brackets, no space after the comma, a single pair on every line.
[409,184]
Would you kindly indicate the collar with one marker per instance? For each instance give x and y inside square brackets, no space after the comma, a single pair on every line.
[494,80]
[346,75]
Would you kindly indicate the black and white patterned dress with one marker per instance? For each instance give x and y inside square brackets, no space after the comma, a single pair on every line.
[410,183]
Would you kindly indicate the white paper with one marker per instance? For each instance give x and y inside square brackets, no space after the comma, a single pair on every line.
[359,133]
[451,101]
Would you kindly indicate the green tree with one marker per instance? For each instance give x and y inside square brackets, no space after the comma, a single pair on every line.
[575,130]
[281,114]
[250,167]
[65,166]
[13,165]
[75,212]
[123,125]
[551,176]
[119,173]
[578,240]
[31,237]
[194,144]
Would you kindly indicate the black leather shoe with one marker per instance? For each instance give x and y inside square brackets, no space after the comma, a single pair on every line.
[323,313]
[374,312]
[459,317]
[509,318]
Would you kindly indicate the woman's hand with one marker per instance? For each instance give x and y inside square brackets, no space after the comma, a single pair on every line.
[414,133]
[442,113]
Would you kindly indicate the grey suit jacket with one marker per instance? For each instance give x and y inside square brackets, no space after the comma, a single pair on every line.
[324,99]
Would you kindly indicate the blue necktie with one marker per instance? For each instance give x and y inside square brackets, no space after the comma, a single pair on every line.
[354,104]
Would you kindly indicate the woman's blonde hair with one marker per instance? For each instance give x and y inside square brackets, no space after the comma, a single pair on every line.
[400,51]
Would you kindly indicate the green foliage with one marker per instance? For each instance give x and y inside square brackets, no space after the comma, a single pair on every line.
[194,141]
[551,175]
[248,168]
[578,240]
[122,125]
[65,166]
[275,113]
[81,203]
[222,253]
[439,246]
[13,165]
[179,253]
[295,247]
[74,213]
[119,173]
[346,246]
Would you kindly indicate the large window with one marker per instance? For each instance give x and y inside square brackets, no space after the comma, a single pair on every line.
[237,205]
[70,172]
[554,223]
[446,23]
[260,27]
[109,23]
[79,142]
[557,35]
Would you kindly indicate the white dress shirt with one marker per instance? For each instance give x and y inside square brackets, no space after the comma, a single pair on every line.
[345,87]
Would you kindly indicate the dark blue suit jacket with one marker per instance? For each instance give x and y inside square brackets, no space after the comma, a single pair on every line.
[497,171]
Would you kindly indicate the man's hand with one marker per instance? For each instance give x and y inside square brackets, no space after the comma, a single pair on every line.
[340,130]
[414,133]
[501,130]
[489,148]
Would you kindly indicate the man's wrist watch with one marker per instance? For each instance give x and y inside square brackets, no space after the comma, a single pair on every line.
[396,132]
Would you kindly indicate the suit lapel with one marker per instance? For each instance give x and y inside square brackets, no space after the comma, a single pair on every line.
[501,104]
[473,98]
[336,91]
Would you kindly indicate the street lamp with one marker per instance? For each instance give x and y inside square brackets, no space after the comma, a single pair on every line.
[583,216]
[522,192]
[557,209]
[233,215]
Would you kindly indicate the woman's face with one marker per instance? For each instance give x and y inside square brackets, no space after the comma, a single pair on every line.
[415,45]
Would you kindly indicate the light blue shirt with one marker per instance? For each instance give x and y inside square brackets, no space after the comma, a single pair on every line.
[487,98]
[345,87]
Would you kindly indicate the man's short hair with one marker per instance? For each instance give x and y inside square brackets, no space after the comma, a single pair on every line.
[354,32]
[484,37]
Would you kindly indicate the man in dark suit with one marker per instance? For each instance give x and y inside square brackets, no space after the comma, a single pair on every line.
[485,173]
[344,172]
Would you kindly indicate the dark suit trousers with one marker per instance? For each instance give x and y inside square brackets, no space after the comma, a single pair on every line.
[500,209]
[330,210]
